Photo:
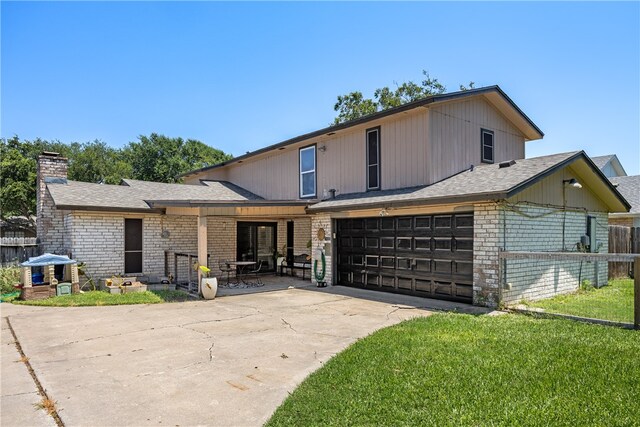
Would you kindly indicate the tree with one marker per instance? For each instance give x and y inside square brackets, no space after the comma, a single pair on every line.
[161,159]
[97,162]
[18,175]
[354,105]
[154,158]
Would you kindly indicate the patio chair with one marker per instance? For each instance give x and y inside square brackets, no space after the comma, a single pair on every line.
[255,273]
[225,268]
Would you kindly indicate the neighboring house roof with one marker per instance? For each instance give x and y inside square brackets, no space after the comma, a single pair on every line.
[483,182]
[610,159]
[629,187]
[133,195]
[493,93]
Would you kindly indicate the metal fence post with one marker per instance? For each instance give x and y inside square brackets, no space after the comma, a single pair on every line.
[636,292]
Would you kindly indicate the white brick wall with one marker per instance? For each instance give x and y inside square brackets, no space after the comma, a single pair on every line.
[535,228]
[525,227]
[487,240]
[322,221]
[98,240]
[50,225]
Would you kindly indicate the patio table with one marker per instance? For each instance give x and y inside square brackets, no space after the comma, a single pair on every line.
[242,267]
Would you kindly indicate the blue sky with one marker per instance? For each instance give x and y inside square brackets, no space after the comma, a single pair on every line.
[244,75]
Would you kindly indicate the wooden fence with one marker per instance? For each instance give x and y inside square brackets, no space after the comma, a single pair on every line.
[623,240]
[15,254]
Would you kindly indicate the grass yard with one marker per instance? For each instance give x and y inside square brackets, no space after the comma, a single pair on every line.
[93,298]
[611,302]
[453,369]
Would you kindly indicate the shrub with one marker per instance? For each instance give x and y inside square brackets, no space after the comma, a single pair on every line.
[9,276]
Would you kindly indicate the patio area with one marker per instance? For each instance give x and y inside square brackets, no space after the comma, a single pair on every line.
[269,283]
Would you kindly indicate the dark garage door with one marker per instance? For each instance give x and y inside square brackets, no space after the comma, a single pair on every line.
[430,256]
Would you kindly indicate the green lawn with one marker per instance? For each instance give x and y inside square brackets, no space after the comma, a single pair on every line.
[453,369]
[92,298]
[611,302]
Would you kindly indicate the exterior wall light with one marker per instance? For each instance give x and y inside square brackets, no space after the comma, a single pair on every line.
[572,182]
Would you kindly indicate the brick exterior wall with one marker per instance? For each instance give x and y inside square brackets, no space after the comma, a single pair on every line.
[50,227]
[98,240]
[322,221]
[526,227]
[535,228]
[487,241]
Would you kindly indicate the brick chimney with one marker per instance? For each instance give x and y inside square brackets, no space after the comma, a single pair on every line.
[50,223]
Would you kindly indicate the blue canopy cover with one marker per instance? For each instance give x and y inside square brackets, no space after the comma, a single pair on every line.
[48,259]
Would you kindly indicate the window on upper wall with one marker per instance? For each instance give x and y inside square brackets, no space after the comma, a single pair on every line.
[487,146]
[308,171]
[373,159]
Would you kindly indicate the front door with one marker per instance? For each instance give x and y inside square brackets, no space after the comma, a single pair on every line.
[256,241]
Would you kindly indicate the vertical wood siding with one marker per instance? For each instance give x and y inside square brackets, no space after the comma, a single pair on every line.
[454,137]
[418,147]
[549,191]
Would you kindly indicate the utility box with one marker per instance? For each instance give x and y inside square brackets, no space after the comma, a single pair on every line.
[63,289]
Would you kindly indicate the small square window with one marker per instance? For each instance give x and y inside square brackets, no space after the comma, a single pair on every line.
[487,147]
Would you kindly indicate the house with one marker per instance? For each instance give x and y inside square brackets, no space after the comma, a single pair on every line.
[609,165]
[418,199]
[628,186]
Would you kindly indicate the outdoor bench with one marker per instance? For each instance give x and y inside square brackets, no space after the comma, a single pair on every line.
[300,262]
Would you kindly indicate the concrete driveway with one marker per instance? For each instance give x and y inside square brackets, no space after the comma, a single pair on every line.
[231,361]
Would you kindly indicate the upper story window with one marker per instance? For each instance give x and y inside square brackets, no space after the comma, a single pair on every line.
[373,158]
[487,146]
[308,171]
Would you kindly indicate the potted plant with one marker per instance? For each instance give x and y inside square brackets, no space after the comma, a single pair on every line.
[208,285]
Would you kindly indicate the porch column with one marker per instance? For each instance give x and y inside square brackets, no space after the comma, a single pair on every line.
[202,244]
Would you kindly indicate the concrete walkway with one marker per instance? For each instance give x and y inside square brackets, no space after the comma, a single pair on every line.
[227,362]
[18,392]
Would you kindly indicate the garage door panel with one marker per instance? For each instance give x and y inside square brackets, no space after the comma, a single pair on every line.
[388,282]
[426,255]
[405,283]
[464,290]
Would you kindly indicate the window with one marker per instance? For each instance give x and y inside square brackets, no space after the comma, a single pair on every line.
[308,171]
[487,146]
[373,159]
[132,246]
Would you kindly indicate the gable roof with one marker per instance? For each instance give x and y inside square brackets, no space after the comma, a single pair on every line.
[494,94]
[134,195]
[484,182]
[629,187]
[602,161]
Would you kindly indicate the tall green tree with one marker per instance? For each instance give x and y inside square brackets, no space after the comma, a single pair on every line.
[153,158]
[18,175]
[97,162]
[160,158]
[354,105]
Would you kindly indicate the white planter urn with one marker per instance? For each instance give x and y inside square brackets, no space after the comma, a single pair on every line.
[209,287]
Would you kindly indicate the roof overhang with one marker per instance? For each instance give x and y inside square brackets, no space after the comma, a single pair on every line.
[466,199]
[579,162]
[225,203]
[109,209]
[590,174]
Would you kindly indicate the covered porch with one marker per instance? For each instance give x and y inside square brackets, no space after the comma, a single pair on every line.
[239,242]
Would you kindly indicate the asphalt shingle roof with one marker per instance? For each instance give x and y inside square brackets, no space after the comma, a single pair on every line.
[601,161]
[629,187]
[134,194]
[484,180]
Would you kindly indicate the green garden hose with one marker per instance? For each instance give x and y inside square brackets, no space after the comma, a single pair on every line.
[320,277]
